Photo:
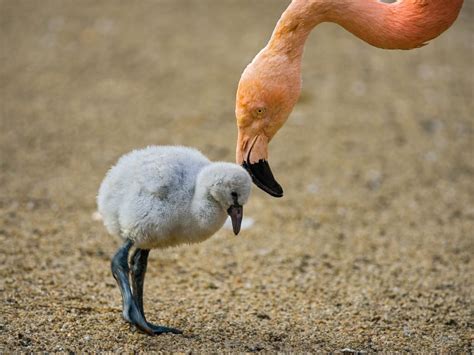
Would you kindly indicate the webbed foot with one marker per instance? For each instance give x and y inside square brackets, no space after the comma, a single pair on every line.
[158,329]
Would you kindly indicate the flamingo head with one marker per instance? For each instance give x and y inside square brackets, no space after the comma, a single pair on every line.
[264,101]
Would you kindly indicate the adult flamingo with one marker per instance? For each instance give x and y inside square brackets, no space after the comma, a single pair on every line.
[271,84]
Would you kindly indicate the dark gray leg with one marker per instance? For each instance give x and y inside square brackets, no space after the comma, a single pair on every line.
[120,270]
[138,265]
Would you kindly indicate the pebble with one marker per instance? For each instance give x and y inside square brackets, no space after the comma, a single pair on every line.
[96,216]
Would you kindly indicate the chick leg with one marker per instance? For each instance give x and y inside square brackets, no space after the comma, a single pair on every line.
[130,311]
[138,265]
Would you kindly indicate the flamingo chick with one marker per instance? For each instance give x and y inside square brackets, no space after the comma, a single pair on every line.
[163,196]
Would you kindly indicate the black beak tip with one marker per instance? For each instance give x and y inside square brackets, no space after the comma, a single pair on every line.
[262,177]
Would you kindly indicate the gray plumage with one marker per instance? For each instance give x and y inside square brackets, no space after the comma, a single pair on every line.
[167,195]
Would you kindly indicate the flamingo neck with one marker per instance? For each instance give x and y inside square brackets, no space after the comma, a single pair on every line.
[206,216]
[293,28]
[404,24]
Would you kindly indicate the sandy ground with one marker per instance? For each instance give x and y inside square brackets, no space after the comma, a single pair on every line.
[370,249]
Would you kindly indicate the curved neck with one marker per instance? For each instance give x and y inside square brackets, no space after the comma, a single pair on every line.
[293,28]
[404,24]
[206,212]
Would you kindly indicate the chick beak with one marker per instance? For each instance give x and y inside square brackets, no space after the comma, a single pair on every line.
[236,213]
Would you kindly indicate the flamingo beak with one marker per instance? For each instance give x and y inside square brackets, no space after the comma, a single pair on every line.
[254,161]
[262,177]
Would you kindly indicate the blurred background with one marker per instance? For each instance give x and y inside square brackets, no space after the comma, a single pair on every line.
[369,250]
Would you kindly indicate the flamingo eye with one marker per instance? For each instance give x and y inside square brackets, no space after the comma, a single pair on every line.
[260,111]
